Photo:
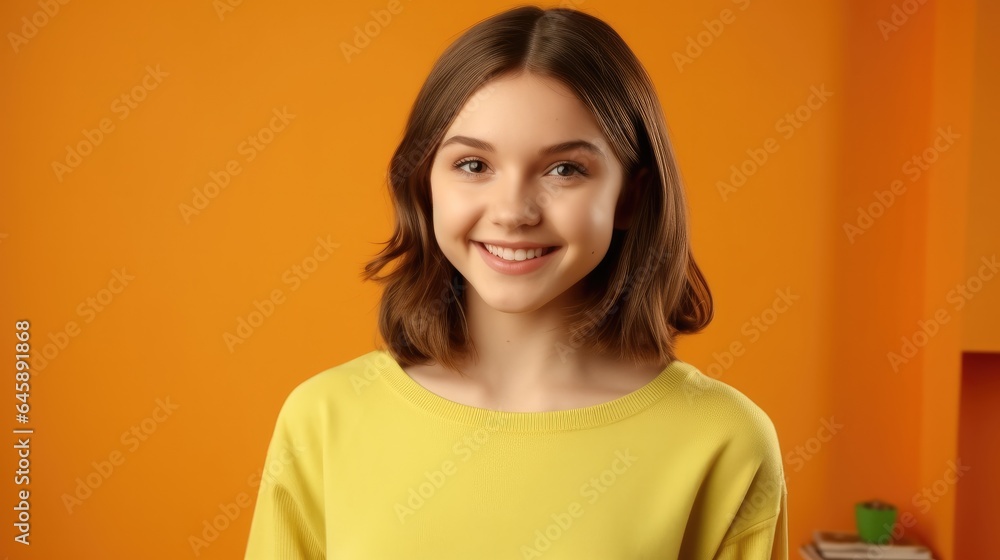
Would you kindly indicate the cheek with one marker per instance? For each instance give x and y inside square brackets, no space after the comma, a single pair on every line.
[454,214]
[587,219]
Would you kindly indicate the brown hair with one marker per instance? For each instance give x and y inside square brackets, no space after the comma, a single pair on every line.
[421,314]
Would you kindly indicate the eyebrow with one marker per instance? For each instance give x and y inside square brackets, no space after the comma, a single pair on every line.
[554,149]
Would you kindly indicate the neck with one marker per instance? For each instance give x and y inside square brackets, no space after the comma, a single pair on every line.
[527,352]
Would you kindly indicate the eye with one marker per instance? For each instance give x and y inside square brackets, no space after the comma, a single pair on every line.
[570,167]
[478,165]
[473,167]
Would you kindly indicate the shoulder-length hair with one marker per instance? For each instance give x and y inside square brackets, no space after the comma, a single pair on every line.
[645,291]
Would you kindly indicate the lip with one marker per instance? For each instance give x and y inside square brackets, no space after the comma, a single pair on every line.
[513,267]
[512,244]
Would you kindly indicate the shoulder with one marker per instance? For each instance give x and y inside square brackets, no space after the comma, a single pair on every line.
[745,426]
[748,457]
[335,389]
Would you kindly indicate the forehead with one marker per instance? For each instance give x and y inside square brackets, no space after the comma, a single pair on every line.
[527,109]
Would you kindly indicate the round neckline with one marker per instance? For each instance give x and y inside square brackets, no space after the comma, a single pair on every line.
[591,416]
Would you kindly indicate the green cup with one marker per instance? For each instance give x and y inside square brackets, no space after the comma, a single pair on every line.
[875,521]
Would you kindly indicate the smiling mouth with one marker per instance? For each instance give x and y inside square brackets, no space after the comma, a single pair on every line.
[516,255]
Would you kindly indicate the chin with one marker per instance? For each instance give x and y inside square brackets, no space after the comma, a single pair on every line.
[514,302]
[510,300]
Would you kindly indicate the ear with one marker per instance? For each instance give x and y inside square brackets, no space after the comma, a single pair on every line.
[629,198]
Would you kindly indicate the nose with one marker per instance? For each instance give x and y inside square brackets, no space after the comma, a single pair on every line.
[513,203]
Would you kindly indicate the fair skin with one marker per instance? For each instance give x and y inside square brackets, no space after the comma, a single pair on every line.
[512,191]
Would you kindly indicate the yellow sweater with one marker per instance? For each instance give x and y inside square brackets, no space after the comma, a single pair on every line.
[367,464]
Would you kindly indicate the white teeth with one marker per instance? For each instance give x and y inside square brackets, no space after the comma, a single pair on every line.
[508,254]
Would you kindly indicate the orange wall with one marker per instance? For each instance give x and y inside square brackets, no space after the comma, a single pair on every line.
[877,273]
[982,319]
[210,79]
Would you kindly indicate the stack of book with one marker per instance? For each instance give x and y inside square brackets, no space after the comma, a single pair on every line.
[836,545]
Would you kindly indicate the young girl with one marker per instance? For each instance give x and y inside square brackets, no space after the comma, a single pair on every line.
[527,402]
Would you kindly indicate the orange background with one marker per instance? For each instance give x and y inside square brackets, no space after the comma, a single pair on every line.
[64,234]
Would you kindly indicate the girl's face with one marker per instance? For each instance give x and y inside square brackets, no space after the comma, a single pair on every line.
[524,163]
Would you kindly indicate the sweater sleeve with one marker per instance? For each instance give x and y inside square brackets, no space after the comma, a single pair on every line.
[286,523]
[758,529]
[765,540]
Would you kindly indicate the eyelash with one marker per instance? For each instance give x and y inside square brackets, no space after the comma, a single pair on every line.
[581,170]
